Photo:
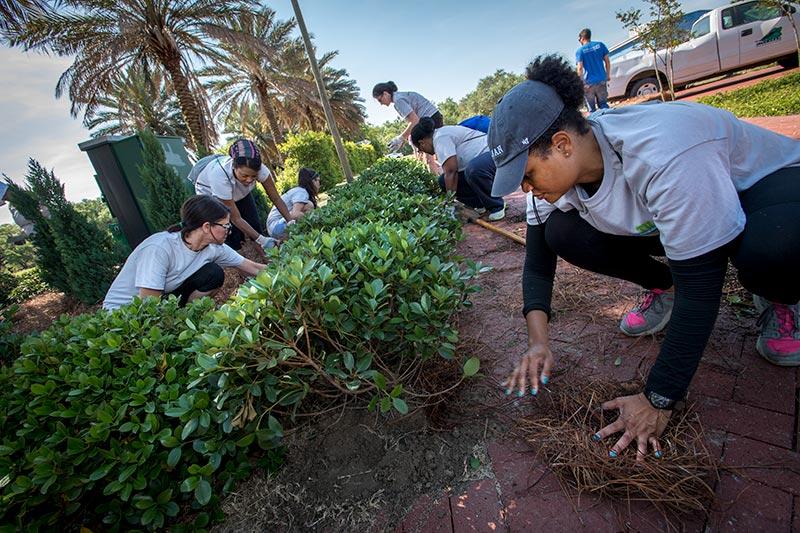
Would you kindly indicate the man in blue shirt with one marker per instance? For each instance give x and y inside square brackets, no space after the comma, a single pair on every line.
[594,68]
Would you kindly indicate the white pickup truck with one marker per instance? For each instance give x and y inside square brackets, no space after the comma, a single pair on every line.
[722,40]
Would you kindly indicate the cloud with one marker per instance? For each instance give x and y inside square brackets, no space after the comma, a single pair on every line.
[39,126]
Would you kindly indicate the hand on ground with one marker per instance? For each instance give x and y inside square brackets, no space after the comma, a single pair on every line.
[532,370]
[638,421]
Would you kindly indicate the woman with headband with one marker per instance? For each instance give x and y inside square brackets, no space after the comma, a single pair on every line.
[232,180]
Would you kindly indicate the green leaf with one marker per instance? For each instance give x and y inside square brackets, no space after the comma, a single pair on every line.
[189,428]
[400,405]
[206,362]
[380,381]
[618,361]
[474,463]
[173,457]
[203,492]
[348,361]
[471,366]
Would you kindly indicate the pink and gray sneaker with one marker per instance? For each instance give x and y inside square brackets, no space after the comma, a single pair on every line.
[779,339]
[650,315]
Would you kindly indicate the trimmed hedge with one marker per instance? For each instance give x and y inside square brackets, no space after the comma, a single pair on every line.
[97,427]
[125,420]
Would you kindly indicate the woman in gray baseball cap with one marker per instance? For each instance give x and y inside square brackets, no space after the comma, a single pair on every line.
[681,180]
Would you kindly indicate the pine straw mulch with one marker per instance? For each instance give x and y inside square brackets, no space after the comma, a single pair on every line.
[560,433]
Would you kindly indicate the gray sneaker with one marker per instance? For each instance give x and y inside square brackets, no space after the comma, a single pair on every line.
[650,315]
[500,214]
[779,339]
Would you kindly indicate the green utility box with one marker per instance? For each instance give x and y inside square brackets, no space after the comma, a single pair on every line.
[117,159]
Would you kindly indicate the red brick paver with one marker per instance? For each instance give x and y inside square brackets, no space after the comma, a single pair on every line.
[748,407]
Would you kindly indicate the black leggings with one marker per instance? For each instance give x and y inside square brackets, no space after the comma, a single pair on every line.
[766,254]
[249,212]
[207,278]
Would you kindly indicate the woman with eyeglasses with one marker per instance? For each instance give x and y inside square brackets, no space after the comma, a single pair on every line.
[185,260]
[300,200]
[614,191]
[232,180]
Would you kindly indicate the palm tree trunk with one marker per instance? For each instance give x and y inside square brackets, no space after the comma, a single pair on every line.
[268,110]
[192,114]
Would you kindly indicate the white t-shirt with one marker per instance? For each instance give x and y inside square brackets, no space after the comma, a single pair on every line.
[406,102]
[162,262]
[462,142]
[675,170]
[218,181]
[293,196]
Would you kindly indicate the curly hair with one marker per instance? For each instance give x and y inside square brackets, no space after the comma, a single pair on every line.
[558,74]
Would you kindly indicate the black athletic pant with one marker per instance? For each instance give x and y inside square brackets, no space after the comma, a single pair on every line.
[247,208]
[766,255]
[207,278]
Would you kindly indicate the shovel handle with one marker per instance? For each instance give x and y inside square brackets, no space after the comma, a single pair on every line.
[513,236]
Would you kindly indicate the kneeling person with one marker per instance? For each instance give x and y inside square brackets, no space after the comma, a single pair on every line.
[299,200]
[467,163]
[186,260]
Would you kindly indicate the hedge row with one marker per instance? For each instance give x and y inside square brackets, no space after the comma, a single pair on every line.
[128,419]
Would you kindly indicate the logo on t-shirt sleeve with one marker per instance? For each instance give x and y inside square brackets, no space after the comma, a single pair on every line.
[647,228]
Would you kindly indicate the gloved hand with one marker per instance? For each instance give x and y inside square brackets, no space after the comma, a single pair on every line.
[266,242]
[396,143]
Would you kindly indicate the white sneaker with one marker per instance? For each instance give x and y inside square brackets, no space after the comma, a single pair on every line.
[498,215]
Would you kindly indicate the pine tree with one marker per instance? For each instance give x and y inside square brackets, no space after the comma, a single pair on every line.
[48,258]
[87,253]
[166,191]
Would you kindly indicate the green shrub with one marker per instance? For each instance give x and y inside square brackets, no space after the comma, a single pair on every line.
[361,156]
[87,253]
[27,284]
[98,426]
[48,257]
[166,191]
[403,174]
[353,311]
[9,341]
[312,149]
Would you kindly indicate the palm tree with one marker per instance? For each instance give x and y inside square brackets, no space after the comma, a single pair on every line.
[247,121]
[138,99]
[342,93]
[251,68]
[106,37]
[15,13]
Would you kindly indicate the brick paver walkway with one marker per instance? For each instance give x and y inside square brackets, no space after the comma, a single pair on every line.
[748,407]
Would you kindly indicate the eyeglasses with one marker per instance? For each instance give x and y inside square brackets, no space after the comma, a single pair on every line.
[227,226]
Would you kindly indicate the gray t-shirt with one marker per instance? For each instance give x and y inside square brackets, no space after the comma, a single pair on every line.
[406,102]
[674,170]
[162,262]
[218,181]
[464,143]
[293,196]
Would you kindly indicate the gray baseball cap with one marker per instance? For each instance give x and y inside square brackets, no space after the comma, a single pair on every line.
[520,117]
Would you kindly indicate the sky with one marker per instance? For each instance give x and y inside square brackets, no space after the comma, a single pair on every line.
[438,48]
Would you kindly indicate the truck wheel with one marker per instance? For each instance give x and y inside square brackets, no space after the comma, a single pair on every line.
[644,87]
[789,61]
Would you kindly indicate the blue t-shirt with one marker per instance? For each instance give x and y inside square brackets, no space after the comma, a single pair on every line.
[591,55]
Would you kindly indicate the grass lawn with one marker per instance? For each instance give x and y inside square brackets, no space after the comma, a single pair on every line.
[769,98]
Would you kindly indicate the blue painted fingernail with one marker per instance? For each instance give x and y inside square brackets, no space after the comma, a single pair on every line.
[520,394]
[534,392]
[508,391]
[545,380]
[596,437]
[659,455]
[612,454]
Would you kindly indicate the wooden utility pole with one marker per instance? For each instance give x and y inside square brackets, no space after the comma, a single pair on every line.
[323,94]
